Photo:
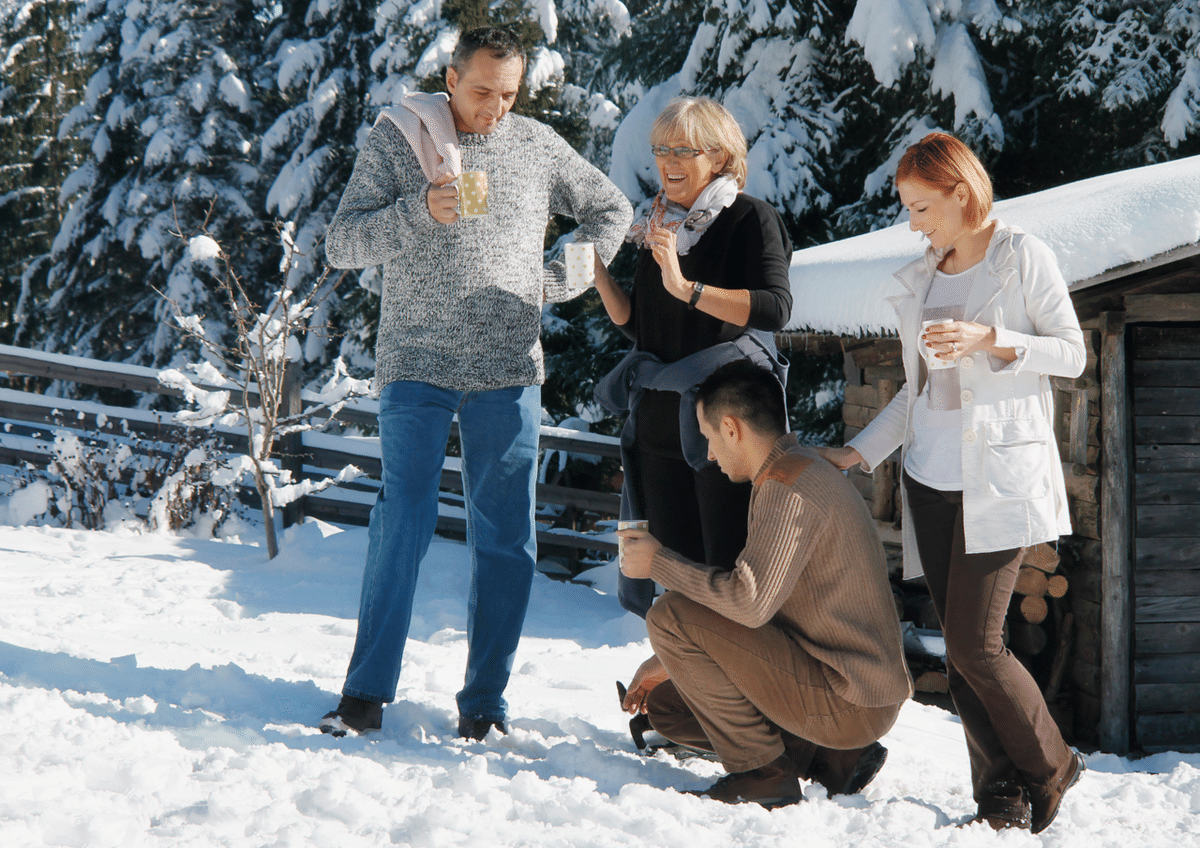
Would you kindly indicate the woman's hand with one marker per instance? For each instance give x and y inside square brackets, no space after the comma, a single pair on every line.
[616,301]
[662,246]
[841,458]
[953,339]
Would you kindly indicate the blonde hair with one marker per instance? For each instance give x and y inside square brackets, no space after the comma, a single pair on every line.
[942,161]
[705,125]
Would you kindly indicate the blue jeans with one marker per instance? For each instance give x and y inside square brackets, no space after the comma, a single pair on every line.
[498,431]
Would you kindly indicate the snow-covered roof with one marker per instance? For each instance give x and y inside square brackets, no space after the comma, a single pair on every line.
[1092,226]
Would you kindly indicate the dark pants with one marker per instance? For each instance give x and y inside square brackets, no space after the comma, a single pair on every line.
[1011,738]
[700,514]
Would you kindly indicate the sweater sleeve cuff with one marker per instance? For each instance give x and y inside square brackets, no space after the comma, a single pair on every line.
[555,286]
[1018,342]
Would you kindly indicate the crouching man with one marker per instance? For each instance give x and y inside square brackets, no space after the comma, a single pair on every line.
[790,665]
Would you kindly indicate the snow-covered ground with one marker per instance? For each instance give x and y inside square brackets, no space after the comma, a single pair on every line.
[157,690]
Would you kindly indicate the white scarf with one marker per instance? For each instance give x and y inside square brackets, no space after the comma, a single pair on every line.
[690,224]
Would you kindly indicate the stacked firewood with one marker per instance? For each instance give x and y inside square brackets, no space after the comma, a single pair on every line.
[1038,583]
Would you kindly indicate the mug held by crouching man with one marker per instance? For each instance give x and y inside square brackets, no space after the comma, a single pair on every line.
[791,665]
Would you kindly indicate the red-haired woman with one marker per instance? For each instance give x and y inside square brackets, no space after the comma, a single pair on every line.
[985,321]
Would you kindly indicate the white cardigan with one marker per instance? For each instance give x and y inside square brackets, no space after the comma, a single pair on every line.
[1013,490]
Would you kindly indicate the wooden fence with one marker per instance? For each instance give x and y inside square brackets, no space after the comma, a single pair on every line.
[25,438]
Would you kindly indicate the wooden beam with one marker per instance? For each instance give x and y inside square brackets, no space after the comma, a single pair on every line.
[1116,624]
[884,478]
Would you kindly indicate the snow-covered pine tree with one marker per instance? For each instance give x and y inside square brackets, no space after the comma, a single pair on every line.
[173,115]
[321,69]
[935,67]
[1047,91]
[1127,88]
[41,78]
[592,38]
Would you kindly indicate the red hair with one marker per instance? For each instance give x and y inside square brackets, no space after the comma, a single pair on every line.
[942,161]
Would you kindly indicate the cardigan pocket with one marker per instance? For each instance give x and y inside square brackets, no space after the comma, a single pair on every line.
[1016,458]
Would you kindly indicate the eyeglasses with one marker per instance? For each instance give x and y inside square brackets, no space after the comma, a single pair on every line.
[661,150]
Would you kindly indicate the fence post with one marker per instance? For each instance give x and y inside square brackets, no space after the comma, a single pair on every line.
[291,446]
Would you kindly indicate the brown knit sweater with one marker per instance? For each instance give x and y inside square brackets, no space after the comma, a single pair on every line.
[813,565]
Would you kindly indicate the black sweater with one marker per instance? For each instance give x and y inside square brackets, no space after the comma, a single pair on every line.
[746,247]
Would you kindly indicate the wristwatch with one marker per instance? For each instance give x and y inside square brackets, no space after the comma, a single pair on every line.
[697,290]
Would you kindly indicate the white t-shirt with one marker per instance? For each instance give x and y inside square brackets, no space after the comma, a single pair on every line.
[933,455]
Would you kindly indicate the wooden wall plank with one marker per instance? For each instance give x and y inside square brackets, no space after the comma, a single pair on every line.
[1166,429]
[1170,729]
[1176,582]
[1156,459]
[1177,637]
[1174,400]
[1168,698]
[1158,521]
[1167,609]
[1165,342]
[1166,372]
[1167,668]
[1181,488]
[1162,307]
[1168,553]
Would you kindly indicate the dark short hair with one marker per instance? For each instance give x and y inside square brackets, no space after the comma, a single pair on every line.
[501,42]
[747,392]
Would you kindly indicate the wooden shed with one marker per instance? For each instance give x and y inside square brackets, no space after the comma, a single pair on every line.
[1128,428]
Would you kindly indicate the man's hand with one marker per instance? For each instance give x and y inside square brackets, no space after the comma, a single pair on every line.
[649,674]
[638,548]
[443,200]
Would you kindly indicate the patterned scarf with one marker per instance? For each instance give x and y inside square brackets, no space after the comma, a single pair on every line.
[690,224]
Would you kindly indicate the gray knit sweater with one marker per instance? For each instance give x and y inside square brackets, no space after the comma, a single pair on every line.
[462,303]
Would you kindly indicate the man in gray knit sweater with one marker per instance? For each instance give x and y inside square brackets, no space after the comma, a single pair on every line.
[791,665]
[459,335]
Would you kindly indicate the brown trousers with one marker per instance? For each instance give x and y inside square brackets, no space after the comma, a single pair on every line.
[1011,738]
[748,694]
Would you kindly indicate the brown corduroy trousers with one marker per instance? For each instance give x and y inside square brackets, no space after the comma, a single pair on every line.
[749,694]
[1011,738]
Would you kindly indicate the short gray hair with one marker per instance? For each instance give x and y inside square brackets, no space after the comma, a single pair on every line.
[706,125]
